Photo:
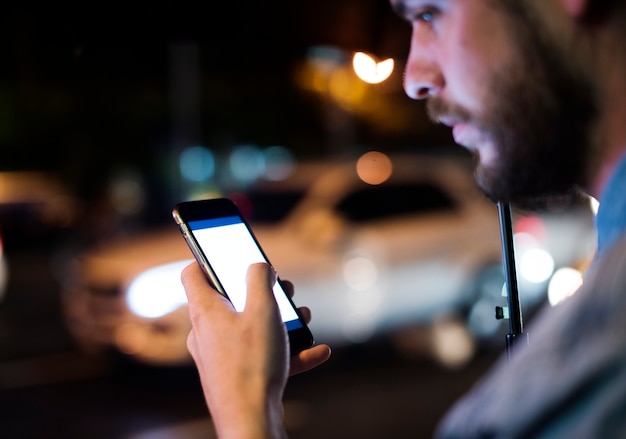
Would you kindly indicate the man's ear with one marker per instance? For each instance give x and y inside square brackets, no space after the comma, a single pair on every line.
[589,11]
[577,9]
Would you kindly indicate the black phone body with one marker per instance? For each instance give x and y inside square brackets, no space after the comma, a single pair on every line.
[223,244]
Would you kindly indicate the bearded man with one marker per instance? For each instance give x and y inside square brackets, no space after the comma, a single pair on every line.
[536,89]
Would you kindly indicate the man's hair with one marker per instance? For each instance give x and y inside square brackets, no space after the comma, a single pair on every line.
[600,10]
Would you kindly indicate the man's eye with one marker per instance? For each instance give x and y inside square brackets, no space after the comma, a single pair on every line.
[427,16]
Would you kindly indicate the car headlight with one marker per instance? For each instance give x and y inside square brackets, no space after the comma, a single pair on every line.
[157,291]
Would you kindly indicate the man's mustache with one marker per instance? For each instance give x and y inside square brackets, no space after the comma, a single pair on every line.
[445,113]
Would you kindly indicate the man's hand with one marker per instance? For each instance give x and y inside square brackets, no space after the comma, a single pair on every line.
[242,358]
[309,358]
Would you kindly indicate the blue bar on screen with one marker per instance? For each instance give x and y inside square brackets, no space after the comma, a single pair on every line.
[214,222]
[293,324]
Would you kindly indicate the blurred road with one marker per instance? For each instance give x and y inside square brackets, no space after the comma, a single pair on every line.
[49,389]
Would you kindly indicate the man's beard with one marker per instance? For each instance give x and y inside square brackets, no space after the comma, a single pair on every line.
[538,115]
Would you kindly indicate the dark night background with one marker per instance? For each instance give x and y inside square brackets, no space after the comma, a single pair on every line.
[90,90]
[85,89]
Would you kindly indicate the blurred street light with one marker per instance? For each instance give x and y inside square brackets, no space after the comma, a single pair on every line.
[370,70]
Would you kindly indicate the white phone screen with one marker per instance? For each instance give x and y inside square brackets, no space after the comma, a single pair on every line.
[230,250]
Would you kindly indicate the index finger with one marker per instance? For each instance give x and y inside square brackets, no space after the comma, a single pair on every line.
[260,280]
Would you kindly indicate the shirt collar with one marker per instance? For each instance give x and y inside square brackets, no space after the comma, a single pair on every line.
[611,219]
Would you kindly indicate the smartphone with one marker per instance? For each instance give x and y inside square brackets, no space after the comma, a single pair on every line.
[224,246]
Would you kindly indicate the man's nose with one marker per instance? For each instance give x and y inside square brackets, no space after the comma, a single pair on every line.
[423,78]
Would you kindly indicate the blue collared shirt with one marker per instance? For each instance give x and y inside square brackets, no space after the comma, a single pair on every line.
[611,219]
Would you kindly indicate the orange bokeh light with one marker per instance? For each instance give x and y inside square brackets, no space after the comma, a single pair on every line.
[374,167]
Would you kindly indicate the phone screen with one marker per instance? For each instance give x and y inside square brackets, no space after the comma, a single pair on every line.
[230,249]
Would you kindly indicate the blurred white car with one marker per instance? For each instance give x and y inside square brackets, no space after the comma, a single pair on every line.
[31,204]
[368,259]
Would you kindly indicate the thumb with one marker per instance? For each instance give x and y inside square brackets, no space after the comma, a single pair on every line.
[198,290]
[260,281]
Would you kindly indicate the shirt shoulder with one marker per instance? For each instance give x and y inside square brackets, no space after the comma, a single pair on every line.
[570,381]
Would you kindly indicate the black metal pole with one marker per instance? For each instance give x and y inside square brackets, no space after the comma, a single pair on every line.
[516,324]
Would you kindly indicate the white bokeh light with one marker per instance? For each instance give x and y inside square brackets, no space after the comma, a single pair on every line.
[371,71]
[536,265]
[157,291]
[360,273]
[564,284]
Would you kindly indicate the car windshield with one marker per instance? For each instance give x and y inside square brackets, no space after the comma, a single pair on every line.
[263,206]
[374,203]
